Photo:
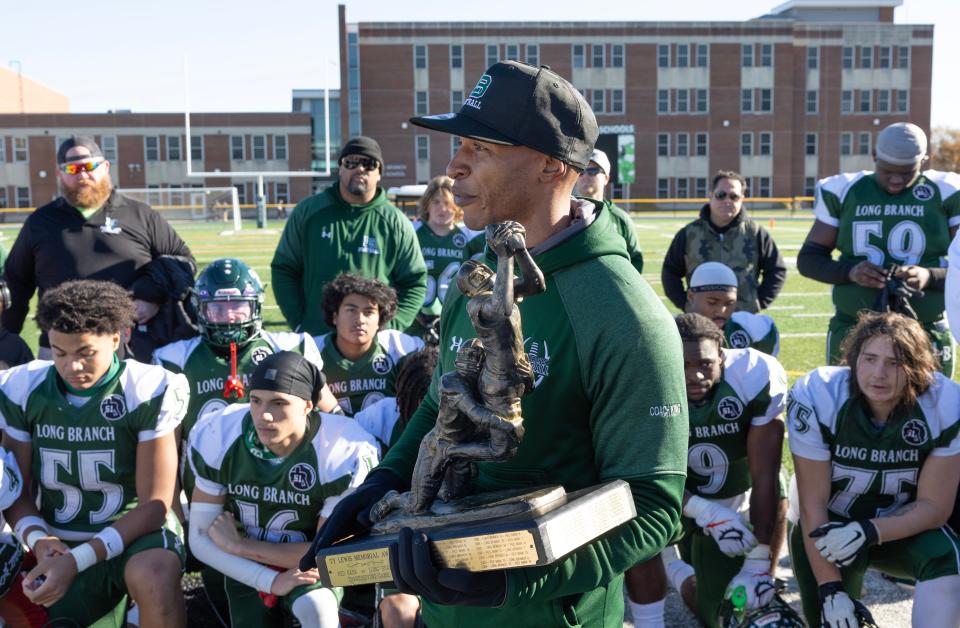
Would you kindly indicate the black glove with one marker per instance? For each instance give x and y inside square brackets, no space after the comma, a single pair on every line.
[896,294]
[414,573]
[352,515]
[838,610]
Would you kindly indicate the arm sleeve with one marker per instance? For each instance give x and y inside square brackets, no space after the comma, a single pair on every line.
[287,269]
[815,262]
[250,573]
[20,274]
[772,267]
[675,270]
[408,276]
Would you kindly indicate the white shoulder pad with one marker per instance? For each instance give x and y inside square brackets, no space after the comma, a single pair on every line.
[756,325]
[177,352]
[398,344]
[321,341]
[19,381]
[215,432]
[948,182]
[143,382]
[379,418]
[749,371]
[838,185]
[343,448]
[814,401]
[283,340]
[417,223]
[952,292]
[941,406]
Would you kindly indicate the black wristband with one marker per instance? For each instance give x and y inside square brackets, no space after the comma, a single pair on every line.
[829,588]
[814,261]
[938,279]
[870,532]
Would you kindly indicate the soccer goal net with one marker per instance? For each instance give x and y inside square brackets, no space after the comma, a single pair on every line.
[208,204]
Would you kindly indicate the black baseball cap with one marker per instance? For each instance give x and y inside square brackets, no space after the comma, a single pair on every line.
[517,104]
[83,141]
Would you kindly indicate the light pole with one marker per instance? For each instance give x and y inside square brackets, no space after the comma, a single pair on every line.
[20,81]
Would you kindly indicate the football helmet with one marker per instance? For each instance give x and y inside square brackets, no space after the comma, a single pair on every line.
[776,614]
[229,296]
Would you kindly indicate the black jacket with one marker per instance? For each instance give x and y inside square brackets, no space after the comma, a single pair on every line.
[171,278]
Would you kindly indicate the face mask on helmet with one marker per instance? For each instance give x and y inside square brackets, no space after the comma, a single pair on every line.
[776,614]
[229,298]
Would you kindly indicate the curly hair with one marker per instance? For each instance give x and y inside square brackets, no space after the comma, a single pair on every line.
[413,381]
[85,306]
[696,327]
[911,345]
[346,284]
[437,185]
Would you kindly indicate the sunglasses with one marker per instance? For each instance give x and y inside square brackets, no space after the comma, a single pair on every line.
[78,167]
[722,196]
[352,163]
[593,171]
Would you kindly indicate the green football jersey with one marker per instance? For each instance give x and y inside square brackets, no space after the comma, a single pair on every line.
[755,331]
[875,469]
[357,385]
[752,392]
[84,458]
[443,256]
[911,227]
[278,500]
[207,371]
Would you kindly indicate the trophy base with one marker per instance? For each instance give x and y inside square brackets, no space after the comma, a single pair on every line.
[520,530]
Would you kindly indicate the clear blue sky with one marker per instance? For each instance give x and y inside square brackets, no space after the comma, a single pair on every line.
[248,55]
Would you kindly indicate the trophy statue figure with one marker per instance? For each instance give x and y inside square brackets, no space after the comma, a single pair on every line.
[480,416]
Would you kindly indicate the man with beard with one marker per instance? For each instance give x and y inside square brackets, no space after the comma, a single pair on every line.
[91,232]
[350,227]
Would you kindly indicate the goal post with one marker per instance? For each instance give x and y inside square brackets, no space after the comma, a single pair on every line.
[212,204]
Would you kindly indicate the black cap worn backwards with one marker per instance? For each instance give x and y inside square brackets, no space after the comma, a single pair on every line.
[290,373]
[84,141]
[517,104]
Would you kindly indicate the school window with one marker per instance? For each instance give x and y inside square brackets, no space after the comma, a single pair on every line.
[663,56]
[903,101]
[663,101]
[846,101]
[420,57]
[20,151]
[456,99]
[578,56]
[3,155]
[236,147]
[846,143]
[865,98]
[766,55]
[809,186]
[883,101]
[663,188]
[196,147]
[746,143]
[812,100]
[811,144]
[863,144]
[513,52]
[700,187]
[259,144]
[598,104]
[456,56]
[151,148]
[533,54]
[813,57]
[746,100]
[702,105]
[746,55]
[766,100]
[23,197]
[280,147]
[883,57]
[683,55]
[683,187]
[847,57]
[3,197]
[173,148]
[241,193]
[683,101]
[493,54]
[616,56]
[866,57]
[616,101]
[596,59]
[420,106]
[765,187]
[683,144]
[701,145]
[281,192]
[766,143]
[903,57]
[423,148]
[663,144]
[108,144]
[703,56]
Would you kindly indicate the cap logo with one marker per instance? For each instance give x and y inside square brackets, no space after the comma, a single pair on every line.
[271,374]
[482,85]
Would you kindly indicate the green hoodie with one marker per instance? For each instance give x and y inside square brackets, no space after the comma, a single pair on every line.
[326,236]
[609,402]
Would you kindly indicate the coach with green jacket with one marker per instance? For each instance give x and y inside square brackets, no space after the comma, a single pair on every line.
[350,227]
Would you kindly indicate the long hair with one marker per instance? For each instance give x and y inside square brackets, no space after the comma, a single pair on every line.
[438,185]
[413,381]
[911,345]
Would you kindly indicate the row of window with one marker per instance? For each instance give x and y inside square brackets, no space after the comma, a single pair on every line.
[682,101]
[18,148]
[869,57]
[494,52]
[681,145]
[696,187]
[683,55]
[874,101]
[21,197]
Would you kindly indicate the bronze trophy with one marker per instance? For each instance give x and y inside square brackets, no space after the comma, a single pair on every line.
[480,420]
